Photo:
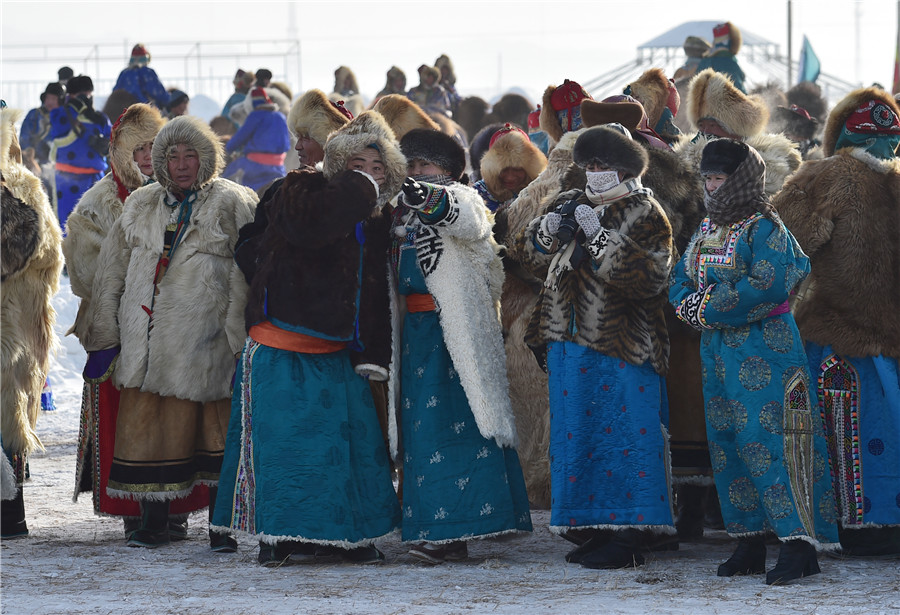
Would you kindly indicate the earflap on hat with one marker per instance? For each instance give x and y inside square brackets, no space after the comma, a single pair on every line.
[561,108]
[713,95]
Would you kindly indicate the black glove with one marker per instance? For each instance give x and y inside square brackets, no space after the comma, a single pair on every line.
[414,193]
[568,226]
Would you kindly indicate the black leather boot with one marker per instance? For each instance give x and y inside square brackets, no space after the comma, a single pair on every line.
[154,530]
[622,551]
[797,559]
[691,501]
[12,517]
[178,527]
[748,558]
[589,546]
[220,542]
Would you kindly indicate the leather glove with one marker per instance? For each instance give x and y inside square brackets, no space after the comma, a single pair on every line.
[413,194]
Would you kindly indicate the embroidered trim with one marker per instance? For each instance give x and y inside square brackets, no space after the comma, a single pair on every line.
[597,246]
[716,247]
[799,448]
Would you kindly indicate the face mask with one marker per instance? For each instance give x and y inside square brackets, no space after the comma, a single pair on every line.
[600,182]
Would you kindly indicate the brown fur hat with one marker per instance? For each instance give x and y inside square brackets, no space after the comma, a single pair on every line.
[341,74]
[808,95]
[713,95]
[140,123]
[735,38]
[367,129]
[314,115]
[403,115]
[628,114]
[845,108]
[511,150]
[651,90]
[429,70]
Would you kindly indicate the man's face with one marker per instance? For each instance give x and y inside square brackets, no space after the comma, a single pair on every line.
[309,151]
[368,161]
[51,102]
[184,164]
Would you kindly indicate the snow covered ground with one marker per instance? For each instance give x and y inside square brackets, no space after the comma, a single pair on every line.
[74,562]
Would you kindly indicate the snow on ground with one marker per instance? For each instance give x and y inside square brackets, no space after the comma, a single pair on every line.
[74,562]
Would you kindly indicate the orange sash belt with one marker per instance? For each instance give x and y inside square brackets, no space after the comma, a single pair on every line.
[420,303]
[68,168]
[262,158]
[269,335]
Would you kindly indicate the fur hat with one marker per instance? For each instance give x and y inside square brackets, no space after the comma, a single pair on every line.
[726,37]
[56,89]
[368,129]
[808,95]
[722,156]
[435,147]
[394,72]
[195,133]
[796,120]
[562,105]
[65,73]
[258,98]
[314,115]
[611,148]
[341,75]
[79,84]
[176,97]
[713,95]
[837,119]
[628,113]
[444,62]
[696,47]
[263,76]
[429,70]
[139,55]
[139,123]
[10,151]
[403,115]
[651,90]
[510,149]
[479,146]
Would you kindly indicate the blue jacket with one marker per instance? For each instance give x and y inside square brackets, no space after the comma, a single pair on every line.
[77,130]
[264,131]
[35,129]
[142,83]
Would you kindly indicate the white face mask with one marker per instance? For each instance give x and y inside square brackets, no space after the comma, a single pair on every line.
[601,181]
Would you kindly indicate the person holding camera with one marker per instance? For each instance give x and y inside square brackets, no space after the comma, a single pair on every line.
[605,253]
[461,473]
[79,144]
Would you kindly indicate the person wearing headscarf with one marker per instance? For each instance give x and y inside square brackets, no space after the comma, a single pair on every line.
[30,263]
[845,211]
[167,298]
[453,390]
[130,159]
[764,429]
[260,145]
[604,253]
[139,80]
[312,478]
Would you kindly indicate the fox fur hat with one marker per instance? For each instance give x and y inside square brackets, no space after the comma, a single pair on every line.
[368,129]
[611,148]
[651,90]
[403,115]
[139,123]
[712,95]
[315,116]
[510,148]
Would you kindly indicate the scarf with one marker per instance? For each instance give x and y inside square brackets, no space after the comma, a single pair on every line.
[742,194]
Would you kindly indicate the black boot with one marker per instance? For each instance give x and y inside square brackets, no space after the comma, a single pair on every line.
[797,559]
[589,546]
[623,551]
[131,524]
[178,527]
[220,542]
[748,558]
[691,503]
[12,517]
[154,530]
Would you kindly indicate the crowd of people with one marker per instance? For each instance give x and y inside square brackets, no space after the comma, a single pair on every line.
[327,321]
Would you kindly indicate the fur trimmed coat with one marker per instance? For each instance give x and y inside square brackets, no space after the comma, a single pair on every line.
[31,262]
[463,272]
[845,213]
[197,315]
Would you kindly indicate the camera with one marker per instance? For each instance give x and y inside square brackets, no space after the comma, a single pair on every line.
[568,226]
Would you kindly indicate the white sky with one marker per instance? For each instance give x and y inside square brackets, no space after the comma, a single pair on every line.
[494,45]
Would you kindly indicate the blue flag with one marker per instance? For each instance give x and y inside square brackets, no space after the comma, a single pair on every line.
[809,63]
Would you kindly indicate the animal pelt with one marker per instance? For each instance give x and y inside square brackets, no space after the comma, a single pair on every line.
[781,155]
[651,89]
[678,190]
[314,116]
[808,95]
[838,116]
[8,487]
[118,101]
[403,115]
[470,114]
[354,103]
[713,95]
[512,150]
[843,211]
[139,124]
[31,261]
[549,122]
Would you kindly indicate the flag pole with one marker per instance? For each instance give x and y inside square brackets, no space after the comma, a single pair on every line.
[789,45]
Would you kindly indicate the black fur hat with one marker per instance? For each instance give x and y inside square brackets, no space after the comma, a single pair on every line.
[435,147]
[723,156]
[479,146]
[614,149]
[79,84]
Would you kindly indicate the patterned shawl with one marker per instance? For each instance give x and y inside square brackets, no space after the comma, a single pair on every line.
[742,194]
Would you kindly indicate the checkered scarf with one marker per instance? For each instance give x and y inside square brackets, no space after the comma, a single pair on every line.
[742,194]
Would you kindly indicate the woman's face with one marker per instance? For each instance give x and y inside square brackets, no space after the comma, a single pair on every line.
[417,166]
[712,127]
[143,158]
[184,164]
[513,178]
[595,167]
[309,151]
[368,161]
[713,181]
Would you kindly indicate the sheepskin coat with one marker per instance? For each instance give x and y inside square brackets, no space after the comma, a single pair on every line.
[464,274]
[31,262]
[845,213]
[197,325]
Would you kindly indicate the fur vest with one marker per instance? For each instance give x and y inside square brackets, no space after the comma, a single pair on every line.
[615,300]
[845,213]
[464,274]
[197,314]
[31,261]
[86,228]
[781,155]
